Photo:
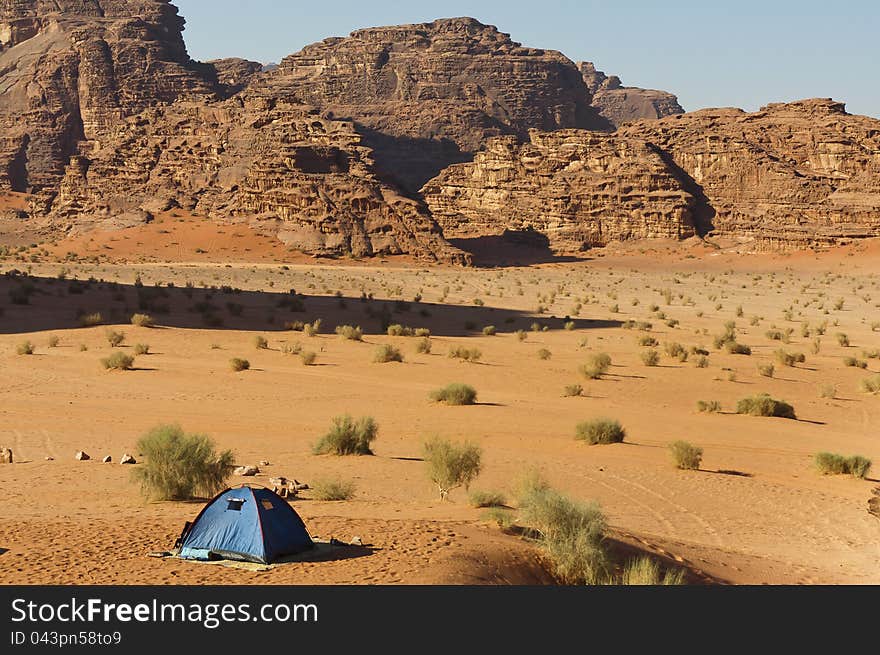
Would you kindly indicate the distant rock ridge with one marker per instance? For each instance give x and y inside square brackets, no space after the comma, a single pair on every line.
[623,104]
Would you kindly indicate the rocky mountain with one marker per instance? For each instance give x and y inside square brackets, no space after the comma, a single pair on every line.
[580,189]
[430,94]
[622,104]
[796,174]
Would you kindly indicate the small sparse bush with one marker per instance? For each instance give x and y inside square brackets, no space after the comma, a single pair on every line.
[26,348]
[708,406]
[308,357]
[291,348]
[350,333]
[489,331]
[237,364]
[487,499]
[650,357]
[572,390]
[260,342]
[522,335]
[735,348]
[423,346]
[53,341]
[833,464]
[451,465]
[827,391]
[118,361]
[544,354]
[842,339]
[142,349]
[397,330]
[646,571]
[91,320]
[600,431]
[855,362]
[329,489]
[178,466]
[465,354]
[597,365]
[647,341]
[764,405]
[142,320]
[766,370]
[114,338]
[701,362]
[789,359]
[871,384]
[348,437]
[387,353]
[455,394]
[686,455]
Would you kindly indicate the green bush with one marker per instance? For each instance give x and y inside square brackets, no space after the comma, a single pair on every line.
[178,466]
[708,406]
[646,571]
[597,365]
[348,437]
[764,405]
[237,364]
[387,353]
[25,348]
[118,361]
[350,332]
[487,499]
[114,338]
[455,394]
[650,357]
[600,431]
[572,390]
[686,455]
[333,489]
[451,465]
[833,464]
[142,320]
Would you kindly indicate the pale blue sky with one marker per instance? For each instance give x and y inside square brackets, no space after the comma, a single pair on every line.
[743,53]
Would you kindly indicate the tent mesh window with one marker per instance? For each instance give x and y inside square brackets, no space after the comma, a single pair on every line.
[235,504]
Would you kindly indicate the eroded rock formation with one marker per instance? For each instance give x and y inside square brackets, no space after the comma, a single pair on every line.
[430,94]
[796,174]
[622,104]
[579,188]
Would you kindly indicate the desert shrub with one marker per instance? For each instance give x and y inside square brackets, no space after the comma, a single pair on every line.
[600,431]
[735,348]
[333,489]
[871,384]
[834,464]
[569,325]
[142,320]
[291,348]
[53,341]
[465,354]
[83,347]
[646,571]
[114,338]
[308,357]
[313,328]
[422,332]
[827,391]
[260,342]
[855,362]
[789,359]
[142,349]
[650,357]
[25,348]
[701,361]
[423,346]
[572,390]
[522,335]
[647,341]
[490,331]
[674,349]
[487,499]
[544,354]
[348,437]
[570,533]
[350,333]
[451,465]
[842,339]
[387,353]
[763,405]
[708,406]
[91,320]
[237,364]
[597,365]
[397,330]
[767,370]
[501,516]
[686,455]
[455,394]
[178,466]
[118,361]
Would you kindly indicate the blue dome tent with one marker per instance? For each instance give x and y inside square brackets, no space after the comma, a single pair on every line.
[246,523]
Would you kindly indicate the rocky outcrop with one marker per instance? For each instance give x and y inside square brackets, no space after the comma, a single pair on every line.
[580,189]
[430,94]
[106,121]
[790,175]
[622,104]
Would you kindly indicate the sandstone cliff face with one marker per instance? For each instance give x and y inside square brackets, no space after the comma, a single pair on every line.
[622,104]
[430,94]
[795,174]
[579,188]
[106,120]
